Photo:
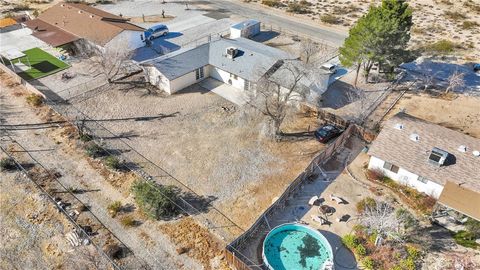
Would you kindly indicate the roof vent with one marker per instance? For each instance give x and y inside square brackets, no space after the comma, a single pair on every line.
[231,52]
[62,5]
[91,16]
[399,126]
[414,137]
[462,148]
[476,153]
[80,11]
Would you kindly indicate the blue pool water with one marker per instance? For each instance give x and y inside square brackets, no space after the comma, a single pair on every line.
[295,246]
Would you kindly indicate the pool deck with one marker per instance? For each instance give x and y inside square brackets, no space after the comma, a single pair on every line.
[336,182]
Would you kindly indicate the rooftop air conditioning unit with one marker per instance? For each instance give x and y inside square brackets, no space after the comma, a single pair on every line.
[438,156]
[231,52]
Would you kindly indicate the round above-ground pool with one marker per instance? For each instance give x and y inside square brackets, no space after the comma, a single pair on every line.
[296,247]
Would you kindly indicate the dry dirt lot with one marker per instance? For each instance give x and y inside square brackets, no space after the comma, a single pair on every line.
[461,113]
[32,229]
[208,144]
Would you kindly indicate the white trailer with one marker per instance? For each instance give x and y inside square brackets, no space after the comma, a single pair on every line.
[246,29]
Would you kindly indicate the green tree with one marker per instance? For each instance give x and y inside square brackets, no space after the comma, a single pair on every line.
[156,201]
[380,36]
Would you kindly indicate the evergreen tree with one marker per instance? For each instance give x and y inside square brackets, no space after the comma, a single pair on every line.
[380,36]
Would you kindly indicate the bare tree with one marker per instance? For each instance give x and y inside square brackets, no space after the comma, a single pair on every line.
[311,51]
[455,81]
[110,61]
[275,94]
[384,220]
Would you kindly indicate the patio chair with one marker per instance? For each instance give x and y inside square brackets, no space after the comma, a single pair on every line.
[337,199]
[312,200]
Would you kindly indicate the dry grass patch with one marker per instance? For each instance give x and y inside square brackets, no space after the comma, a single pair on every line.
[196,242]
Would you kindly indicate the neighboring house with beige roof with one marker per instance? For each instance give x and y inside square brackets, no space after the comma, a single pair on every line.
[68,20]
[425,155]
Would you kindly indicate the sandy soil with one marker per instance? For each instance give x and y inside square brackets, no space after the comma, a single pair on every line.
[216,152]
[430,21]
[33,229]
[101,186]
[461,113]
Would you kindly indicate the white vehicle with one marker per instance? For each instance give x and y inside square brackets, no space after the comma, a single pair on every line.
[156,31]
[332,68]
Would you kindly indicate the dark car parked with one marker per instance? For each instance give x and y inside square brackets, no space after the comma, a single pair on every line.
[326,133]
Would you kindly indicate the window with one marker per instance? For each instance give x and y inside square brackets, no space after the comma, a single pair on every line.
[199,73]
[391,167]
[422,179]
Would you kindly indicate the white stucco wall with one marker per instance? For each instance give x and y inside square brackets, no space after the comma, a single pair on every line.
[407,178]
[225,77]
[187,80]
[133,39]
[154,77]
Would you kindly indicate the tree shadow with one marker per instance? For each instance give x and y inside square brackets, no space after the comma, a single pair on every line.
[202,204]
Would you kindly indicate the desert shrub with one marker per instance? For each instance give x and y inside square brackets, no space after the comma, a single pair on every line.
[455,15]
[128,221]
[471,5]
[368,263]
[272,3]
[350,241]
[470,25]
[112,162]
[34,100]
[84,137]
[154,200]
[408,264]
[114,251]
[94,150]
[442,46]
[330,19]
[20,7]
[409,220]
[301,7]
[7,164]
[375,174]
[465,238]
[114,208]
[473,226]
[413,252]
[360,250]
[364,203]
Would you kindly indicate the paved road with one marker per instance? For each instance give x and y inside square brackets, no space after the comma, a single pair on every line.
[317,32]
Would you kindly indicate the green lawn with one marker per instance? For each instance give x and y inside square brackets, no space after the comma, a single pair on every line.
[42,64]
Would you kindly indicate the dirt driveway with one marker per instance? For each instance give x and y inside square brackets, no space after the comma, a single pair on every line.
[208,144]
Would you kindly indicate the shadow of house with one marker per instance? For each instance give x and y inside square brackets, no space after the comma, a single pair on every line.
[264,36]
[339,95]
[441,71]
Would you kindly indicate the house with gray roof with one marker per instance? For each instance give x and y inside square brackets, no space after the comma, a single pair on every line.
[238,62]
[426,156]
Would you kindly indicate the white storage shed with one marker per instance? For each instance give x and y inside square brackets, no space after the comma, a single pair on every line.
[246,29]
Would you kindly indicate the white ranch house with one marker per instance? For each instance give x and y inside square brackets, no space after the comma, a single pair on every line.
[238,62]
[426,156]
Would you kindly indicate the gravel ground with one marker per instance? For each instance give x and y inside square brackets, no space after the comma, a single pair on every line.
[146,242]
[208,144]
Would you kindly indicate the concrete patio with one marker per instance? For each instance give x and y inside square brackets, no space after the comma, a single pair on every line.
[226,91]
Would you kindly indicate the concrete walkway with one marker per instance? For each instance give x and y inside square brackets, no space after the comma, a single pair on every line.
[226,91]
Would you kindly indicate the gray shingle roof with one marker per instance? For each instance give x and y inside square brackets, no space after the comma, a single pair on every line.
[395,146]
[181,62]
[252,61]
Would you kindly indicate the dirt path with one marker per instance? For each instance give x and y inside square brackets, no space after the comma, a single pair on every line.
[47,147]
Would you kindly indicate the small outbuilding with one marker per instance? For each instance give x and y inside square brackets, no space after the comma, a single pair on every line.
[246,29]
